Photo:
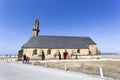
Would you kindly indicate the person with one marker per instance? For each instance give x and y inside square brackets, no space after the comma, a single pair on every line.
[76,56]
[43,56]
[27,59]
[59,56]
[24,58]
[10,58]
[6,57]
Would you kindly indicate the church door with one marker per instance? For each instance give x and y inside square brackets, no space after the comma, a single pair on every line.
[65,55]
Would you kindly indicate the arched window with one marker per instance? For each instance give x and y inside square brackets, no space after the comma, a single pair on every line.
[49,51]
[78,50]
[34,52]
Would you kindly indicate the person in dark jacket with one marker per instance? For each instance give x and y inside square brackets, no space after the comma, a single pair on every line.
[43,56]
[24,58]
[59,56]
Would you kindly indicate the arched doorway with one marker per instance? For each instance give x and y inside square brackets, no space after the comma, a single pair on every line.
[65,55]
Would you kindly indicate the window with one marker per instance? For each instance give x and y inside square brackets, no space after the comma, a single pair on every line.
[49,51]
[35,52]
[78,50]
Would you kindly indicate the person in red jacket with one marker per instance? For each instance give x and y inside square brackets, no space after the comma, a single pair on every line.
[27,59]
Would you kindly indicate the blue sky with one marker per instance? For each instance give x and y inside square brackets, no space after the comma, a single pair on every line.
[99,19]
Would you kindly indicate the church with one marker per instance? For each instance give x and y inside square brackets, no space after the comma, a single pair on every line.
[47,47]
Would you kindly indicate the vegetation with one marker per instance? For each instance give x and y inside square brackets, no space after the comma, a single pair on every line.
[110,68]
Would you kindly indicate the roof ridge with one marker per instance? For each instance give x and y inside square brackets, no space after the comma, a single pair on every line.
[64,36]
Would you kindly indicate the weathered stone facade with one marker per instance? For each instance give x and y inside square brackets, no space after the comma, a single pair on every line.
[54,53]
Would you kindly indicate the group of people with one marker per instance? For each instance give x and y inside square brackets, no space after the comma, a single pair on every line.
[26,59]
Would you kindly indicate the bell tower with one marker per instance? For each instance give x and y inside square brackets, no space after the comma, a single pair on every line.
[36,28]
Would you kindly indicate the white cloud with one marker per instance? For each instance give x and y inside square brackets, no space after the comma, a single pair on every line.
[98,28]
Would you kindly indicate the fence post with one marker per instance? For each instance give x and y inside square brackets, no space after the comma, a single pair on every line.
[101,72]
[32,63]
[10,59]
[65,66]
[45,64]
[6,59]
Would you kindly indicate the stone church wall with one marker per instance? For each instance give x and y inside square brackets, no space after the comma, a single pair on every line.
[84,51]
[54,53]
[93,49]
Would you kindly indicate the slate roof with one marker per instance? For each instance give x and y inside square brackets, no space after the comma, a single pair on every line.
[44,41]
